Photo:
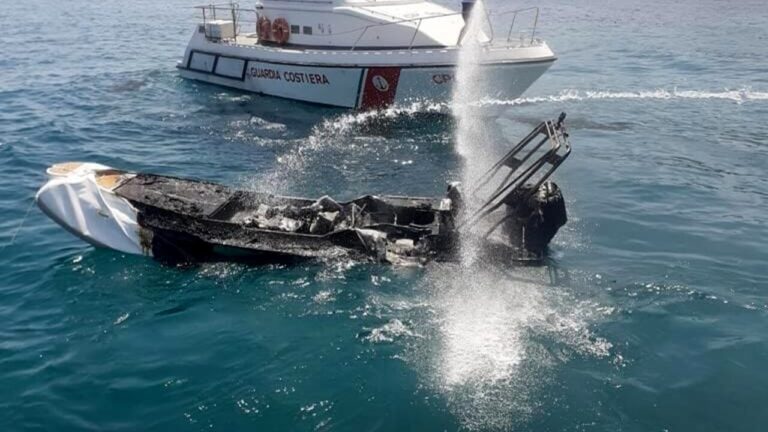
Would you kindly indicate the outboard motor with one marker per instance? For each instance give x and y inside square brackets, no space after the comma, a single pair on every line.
[524,206]
[533,222]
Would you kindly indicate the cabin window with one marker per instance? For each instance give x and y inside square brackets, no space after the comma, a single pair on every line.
[295,29]
[307,30]
[230,67]
[202,62]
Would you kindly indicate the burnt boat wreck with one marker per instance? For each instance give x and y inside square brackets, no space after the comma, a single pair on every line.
[513,211]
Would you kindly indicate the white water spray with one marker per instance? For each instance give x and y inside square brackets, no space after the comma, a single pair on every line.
[487,362]
[472,137]
[468,88]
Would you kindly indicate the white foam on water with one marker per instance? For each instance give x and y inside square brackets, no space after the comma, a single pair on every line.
[483,335]
[324,296]
[122,318]
[494,341]
[335,133]
[742,95]
[388,332]
[232,97]
[267,125]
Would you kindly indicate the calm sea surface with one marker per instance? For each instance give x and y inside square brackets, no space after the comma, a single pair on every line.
[652,314]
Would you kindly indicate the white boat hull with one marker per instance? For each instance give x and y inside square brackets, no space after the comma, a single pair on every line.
[358,79]
[368,88]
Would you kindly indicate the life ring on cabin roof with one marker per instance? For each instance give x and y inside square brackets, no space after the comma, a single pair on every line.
[281,31]
[264,28]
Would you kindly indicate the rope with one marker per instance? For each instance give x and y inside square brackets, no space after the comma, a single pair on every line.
[18,228]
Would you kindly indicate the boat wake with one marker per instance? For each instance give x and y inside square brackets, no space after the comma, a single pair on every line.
[353,134]
[740,96]
[412,111]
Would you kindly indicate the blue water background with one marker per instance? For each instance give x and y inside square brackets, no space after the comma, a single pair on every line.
[651,316]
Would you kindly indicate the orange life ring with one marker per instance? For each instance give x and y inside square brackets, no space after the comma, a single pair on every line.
[264,28]
[281,31]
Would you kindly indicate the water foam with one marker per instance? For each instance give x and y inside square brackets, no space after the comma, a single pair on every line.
[335,134]
[388,332]
[496,340]
[742,95]
[483,335]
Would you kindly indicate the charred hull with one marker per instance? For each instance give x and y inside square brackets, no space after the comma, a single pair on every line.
[253,227]
[211,222]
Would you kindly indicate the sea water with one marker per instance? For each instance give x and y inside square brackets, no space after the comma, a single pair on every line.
[650,315]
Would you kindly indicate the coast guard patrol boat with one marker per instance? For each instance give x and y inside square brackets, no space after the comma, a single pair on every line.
[364,54]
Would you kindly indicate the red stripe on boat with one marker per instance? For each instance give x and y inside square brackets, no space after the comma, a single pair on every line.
[380,87]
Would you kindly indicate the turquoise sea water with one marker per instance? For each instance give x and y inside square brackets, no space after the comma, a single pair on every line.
[652,314]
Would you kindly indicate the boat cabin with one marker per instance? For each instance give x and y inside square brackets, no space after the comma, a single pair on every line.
[370,24]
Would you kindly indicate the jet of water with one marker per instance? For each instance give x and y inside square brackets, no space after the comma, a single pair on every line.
[472,135]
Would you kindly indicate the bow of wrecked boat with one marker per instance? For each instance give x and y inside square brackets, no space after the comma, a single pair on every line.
[513,211]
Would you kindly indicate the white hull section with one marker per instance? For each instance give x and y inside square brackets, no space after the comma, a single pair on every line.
[77,198]
[368,79]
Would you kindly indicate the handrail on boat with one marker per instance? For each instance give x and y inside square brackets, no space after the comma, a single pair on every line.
[232,10]
[515,13]
[490,13]
[488,16]
[415,32]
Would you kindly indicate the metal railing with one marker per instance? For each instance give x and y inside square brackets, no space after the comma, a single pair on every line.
[416,29]
[232,11]
[515,14]
[227,11]
[529,38]
[527,166]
